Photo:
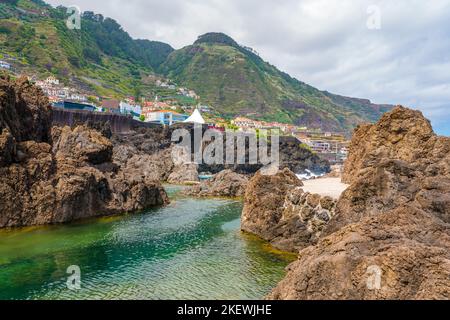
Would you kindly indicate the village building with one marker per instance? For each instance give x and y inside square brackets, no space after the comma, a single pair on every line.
[70,105]
[164,117]
[111,106]
[5,65]
[245,123]
[155,106]
[134,110]
[52,81]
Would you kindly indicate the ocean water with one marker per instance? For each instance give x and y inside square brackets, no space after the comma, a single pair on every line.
[307,175]
[191,249]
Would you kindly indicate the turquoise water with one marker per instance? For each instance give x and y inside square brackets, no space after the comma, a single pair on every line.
[191,249]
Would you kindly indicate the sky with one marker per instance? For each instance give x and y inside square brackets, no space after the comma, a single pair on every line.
[395,52]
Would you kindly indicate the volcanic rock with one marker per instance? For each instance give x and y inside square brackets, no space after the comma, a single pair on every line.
[224,184]
[184,173]
[55,175]
[390,235]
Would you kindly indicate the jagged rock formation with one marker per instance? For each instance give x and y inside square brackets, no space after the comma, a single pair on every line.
[184,173]
[146,151]
[298,159]
[292,156]
[55,175]
[402,134]
[390,236]
[277,209]
[402,161]
[408,246]
[151,150]
[24,111]
[224,184]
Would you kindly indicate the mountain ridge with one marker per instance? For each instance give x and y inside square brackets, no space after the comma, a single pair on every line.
[241,83]
[232,78]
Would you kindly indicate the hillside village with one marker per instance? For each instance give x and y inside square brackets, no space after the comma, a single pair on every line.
[166,110]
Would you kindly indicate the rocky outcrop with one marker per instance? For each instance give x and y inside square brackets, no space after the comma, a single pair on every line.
[402,134]
[292,155]
[414,168]
[277,210]
[400,254]
[224,184]
[298,159]
[157,165]
[390,236]
[184,173]
[61,175]
[24,111]
[145,151]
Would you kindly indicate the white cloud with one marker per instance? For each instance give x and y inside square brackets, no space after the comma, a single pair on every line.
[325,43]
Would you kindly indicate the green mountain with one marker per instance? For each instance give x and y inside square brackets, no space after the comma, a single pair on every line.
[238,82]
[102,58]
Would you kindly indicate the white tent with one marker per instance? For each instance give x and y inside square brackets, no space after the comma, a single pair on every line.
[196,117]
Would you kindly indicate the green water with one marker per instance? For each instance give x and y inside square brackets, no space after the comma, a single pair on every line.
[191,249]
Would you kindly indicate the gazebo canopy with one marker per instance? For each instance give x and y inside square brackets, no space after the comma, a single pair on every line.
[196,117]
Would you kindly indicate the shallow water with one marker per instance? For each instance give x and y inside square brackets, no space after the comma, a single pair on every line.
[191,249]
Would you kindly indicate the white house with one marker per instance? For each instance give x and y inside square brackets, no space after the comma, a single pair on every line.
[52,80]
[133,109]
[4,65]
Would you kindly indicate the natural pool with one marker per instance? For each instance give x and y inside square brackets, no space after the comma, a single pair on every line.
[191,249]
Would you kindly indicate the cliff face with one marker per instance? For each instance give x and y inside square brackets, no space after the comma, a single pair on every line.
[292,156]
[390,236]
[55,175]
[402,134]
[279,211]
[397,161]
[150,150]
[24,111]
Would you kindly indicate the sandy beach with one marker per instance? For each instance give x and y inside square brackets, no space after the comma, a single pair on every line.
[332,187]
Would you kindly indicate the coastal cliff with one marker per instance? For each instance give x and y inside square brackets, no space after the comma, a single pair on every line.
[392,223]
[59,174]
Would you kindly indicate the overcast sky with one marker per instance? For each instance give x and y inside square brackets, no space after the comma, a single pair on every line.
[388,51]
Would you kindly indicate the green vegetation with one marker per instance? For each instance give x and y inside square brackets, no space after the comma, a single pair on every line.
[238,82]
[101,56]
[103,59]
[305,146]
